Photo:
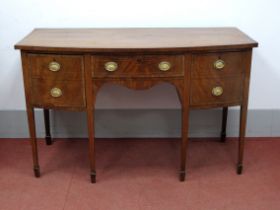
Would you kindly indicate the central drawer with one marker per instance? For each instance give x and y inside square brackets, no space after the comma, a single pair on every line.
[138,66]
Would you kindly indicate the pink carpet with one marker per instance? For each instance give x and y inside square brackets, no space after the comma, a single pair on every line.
[140,175]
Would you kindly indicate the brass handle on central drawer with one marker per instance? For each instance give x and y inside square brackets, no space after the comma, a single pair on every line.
[219,64]
[54,66]
[164,66]
[56,92]
[217,91]
[111,66]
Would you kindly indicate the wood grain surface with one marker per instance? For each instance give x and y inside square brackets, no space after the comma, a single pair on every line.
[135,40]
[138,66]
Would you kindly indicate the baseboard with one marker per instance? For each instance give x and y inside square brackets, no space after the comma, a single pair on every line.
[141,123]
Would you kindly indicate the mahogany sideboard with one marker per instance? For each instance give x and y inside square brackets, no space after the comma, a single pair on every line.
[65,68]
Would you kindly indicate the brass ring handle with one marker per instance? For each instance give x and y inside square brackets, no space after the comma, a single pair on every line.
[217,91]
[164,66]
[56,92]
[111,66]
[219,64]
[54,66]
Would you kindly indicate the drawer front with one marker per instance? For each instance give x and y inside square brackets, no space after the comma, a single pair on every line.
[217,64]
[58,67]
[58,93]
[140,66]
[216,91]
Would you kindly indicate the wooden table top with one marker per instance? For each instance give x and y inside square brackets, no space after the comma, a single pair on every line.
[135,40]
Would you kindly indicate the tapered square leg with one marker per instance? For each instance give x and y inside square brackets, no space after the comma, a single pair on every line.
[91,96]
[243,111]
[48,140]
[224,124]
[239,169]
[241,142]
[48,137]
[183,93]
[30,112]
[37,172]
[90,121]
[184,143]
[33,140]
[93,177]
[182,176]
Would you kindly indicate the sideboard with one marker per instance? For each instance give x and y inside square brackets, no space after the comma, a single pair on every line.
[65,68]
